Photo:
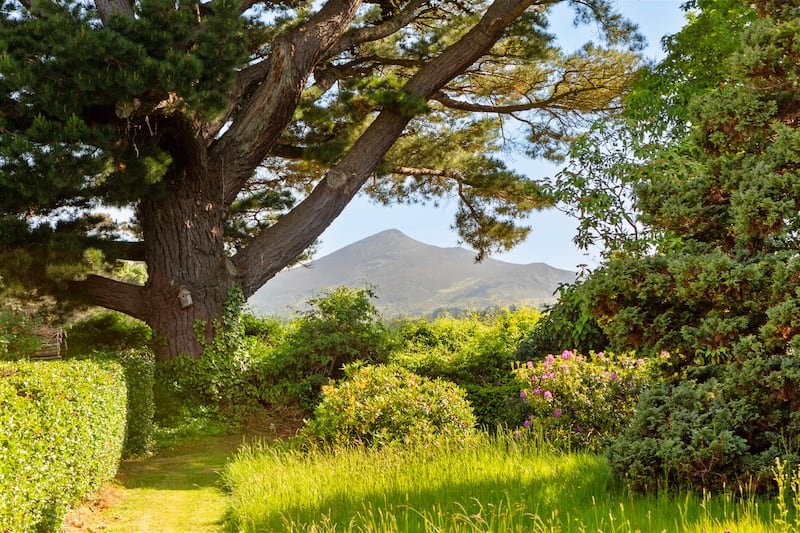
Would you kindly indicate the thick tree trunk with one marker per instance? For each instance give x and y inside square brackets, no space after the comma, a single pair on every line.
[188,280]
[189,276]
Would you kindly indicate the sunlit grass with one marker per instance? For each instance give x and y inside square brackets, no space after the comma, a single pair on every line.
[498,484]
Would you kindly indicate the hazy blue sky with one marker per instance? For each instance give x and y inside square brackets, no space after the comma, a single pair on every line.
[551,238]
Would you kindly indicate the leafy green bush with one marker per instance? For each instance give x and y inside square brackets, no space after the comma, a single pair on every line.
[17,340]
[139,370]
[106,332]
[582,400]
[62,426]
[342,327]
[723,425]
[476,352]
[223,380]
[381,405]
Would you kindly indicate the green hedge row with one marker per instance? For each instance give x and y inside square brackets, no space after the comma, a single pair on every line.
[138,366]
[62,427]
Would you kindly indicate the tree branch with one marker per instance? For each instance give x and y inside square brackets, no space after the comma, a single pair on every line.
[276,246]
[424,171]
[111,294]
[552,102]
[269,109]
[381,31]
[109,8]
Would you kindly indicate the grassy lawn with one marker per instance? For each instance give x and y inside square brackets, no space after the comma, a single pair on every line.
[177,491]
[499,485]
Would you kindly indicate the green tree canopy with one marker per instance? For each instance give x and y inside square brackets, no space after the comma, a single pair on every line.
[722,284]
[236,131]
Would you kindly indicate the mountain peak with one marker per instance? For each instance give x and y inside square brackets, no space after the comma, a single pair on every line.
[413,278]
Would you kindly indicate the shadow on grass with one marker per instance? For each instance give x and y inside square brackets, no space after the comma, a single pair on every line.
[189,466]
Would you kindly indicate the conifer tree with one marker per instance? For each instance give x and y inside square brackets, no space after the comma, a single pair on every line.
[237,130]
[723,200]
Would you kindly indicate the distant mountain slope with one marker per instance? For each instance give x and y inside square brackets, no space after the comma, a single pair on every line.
[412,278]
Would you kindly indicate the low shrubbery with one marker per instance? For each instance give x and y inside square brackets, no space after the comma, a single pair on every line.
[107,332]
[720,426]
[341,327]
[476,352]
[62,426]
[380,405]
[582,400]
[17,340]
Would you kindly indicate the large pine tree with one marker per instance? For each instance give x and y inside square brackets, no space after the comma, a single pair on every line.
[236,131]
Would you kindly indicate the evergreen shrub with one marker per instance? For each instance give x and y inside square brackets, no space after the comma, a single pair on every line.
[582,401]
[62,427]
[384,405]
[138,366]
[722,426]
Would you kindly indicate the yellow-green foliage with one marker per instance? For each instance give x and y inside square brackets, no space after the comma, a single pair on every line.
[381,405]
[62,426]
[476,352]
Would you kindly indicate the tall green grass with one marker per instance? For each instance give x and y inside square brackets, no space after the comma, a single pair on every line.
[498,484]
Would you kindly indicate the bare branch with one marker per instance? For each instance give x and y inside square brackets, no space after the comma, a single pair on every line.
[381,31]
[552,103]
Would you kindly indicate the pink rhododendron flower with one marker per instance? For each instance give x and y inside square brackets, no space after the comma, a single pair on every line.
[548,395]
[557,412]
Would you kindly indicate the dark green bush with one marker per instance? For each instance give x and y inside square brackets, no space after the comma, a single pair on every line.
[381,405]
[106,332]
[723,426]
[139,369]
[62,426]
[567,323]
[475,352]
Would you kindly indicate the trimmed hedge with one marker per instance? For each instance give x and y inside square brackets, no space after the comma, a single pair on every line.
[139,370]
[62,426]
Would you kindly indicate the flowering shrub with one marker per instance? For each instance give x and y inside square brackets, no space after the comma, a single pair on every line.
[579,400]
[380,405]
